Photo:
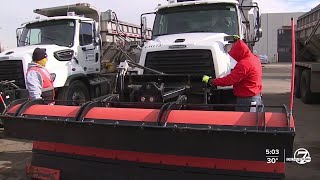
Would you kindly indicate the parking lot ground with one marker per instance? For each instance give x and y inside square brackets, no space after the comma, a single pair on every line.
[276,79]
[276,82]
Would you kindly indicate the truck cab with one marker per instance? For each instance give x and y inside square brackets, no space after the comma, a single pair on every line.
[65,39]
[71,40]
[191,37]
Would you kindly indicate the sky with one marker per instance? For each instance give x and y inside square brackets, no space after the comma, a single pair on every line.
[15,12]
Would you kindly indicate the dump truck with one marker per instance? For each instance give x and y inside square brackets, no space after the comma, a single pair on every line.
[82,45]
[161,122]
[307,74]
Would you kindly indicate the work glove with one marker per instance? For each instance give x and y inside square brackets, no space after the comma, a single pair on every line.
[206,79]
[236,37]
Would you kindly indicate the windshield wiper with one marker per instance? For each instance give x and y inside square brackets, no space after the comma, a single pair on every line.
[196,31]
[55,41]
[181,32]
[162,34]
[52,39]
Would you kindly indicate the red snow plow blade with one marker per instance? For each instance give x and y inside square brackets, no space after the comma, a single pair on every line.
[147,141]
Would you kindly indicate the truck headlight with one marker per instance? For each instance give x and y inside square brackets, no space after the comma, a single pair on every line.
[64,55]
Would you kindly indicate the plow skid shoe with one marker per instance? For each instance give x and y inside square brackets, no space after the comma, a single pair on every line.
[123,142]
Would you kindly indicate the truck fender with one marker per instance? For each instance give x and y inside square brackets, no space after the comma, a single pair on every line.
[81,77]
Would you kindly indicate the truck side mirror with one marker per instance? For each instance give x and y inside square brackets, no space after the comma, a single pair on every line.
[144,28]
[18,35]
[258,19]
[258,28]
[95,34]
[257,25]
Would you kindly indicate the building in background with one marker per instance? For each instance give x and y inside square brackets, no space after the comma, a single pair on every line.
[274,26]
[284,44]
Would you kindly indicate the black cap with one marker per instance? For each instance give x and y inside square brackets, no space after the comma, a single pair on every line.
[38,54]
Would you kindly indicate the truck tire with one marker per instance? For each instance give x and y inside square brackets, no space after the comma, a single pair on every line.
[75,94]
[306,94]
[297,80]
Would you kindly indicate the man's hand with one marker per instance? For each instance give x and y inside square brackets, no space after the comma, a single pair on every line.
[206,79]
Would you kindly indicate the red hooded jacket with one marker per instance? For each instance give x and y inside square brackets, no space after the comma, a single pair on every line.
[246,77]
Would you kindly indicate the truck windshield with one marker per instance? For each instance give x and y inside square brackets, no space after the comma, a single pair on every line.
[217,18]
[59,32]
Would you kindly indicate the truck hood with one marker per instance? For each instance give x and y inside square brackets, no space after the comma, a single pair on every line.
[223,63]
[188,38]
[21,52]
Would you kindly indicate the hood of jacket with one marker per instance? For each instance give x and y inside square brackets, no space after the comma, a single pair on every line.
[240,51]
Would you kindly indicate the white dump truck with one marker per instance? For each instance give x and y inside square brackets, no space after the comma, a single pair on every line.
[82,44]
[191,37]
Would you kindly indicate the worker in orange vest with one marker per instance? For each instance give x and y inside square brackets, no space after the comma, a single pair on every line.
[38,80]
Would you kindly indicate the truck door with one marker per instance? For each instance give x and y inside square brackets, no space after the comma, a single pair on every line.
[89,57]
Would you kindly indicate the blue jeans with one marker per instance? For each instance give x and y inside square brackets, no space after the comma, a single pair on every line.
[247,101]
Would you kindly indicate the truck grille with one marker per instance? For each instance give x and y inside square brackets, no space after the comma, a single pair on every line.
[191,61]
[12,70]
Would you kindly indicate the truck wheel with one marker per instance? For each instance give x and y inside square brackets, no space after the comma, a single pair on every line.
[306,94]
[75,94]
[297,80]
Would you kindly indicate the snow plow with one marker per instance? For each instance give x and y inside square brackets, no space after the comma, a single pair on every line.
[152,129]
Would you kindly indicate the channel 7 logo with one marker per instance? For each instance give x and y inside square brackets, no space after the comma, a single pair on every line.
[301,156]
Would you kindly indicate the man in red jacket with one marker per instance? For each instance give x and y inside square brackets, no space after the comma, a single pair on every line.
[246,77]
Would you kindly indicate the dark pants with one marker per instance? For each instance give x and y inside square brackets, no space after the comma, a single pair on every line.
[247,101]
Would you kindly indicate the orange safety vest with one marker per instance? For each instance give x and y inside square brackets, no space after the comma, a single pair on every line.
[47,83]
